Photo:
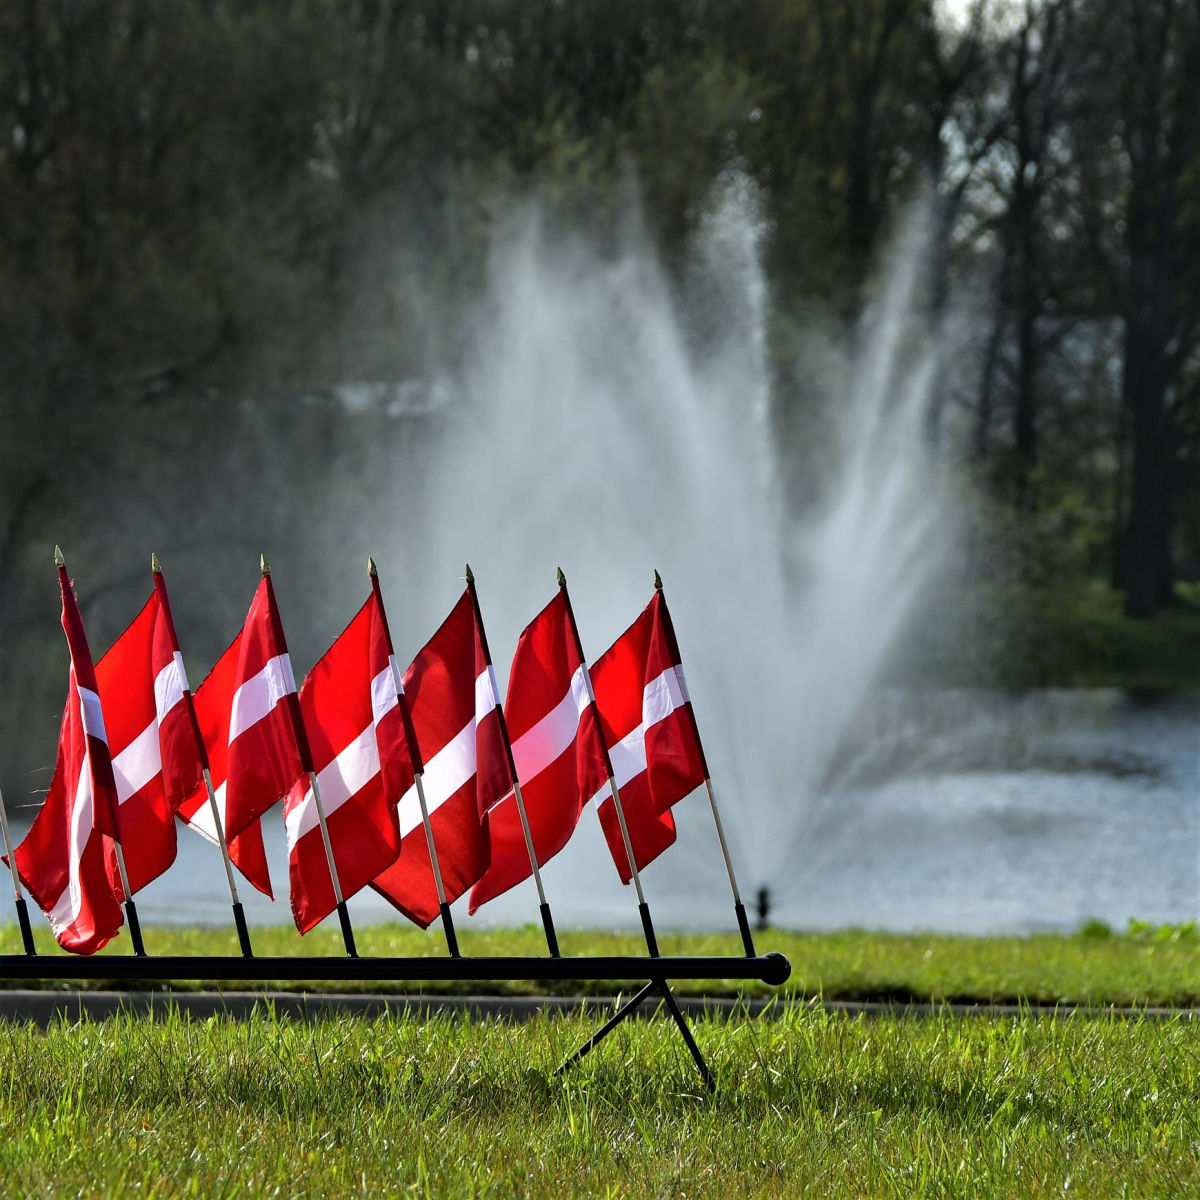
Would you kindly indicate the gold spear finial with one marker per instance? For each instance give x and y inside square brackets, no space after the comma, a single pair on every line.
[262,564]
[657,581]
[469,577]
[59,561]
[371,567]
[562,579]
[155,565]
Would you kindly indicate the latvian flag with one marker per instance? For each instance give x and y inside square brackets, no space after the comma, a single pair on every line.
[61,860]
[651,734]
[356,731]
[452,696]
[556,747]
[155,758]
[249,732]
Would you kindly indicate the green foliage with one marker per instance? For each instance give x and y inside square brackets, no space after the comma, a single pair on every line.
[807,1104]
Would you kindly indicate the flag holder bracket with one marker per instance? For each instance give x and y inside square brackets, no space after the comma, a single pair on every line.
[629,1009]
[771,968]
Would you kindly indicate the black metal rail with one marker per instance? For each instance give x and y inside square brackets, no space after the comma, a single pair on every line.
[772,968]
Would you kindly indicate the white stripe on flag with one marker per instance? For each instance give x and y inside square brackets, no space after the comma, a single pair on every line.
[451,767]
[344,777]
[91,713]
[538,747]
[259,694]
[660,698]
[383,690]
[138,763]
[202,819]
[487,693]
[169,685]
[68,907]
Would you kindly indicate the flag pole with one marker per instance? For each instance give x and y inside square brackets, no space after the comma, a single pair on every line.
[643,907]
[738,907]
[414,754]
[292,700]
[544,907]
[19,897]
[135,927]
[239,915]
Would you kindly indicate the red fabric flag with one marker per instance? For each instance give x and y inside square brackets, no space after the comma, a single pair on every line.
[452,697]
[556,745]
[61,860]
[156,761]
[253,753]
[356,731]
[653,744]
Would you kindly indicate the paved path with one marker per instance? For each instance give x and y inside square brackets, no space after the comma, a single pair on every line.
[45,1007]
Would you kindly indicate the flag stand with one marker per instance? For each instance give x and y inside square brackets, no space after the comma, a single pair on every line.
[772,969]
[239,915]
[414,754]
[19,898]
[543,906]
[342,911]
[135,928]
[660,985]
[739,908]
[131,910]
[292,701]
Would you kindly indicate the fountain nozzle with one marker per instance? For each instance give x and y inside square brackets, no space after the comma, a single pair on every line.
[763,904]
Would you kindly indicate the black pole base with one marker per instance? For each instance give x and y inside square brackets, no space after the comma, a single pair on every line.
[347,932]
[26,928]
[551,936]
[243,932]
[135,929]
[451,936]
[744,926]
[648,927]
[627,1010]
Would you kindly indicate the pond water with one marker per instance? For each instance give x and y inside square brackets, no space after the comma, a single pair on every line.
[957,812]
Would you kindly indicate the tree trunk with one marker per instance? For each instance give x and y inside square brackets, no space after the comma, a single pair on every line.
[1146,568]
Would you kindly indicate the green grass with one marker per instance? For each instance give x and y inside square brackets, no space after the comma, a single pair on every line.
[807,1104]
[1149,967]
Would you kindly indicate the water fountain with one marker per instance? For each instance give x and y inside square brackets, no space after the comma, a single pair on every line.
[613,423]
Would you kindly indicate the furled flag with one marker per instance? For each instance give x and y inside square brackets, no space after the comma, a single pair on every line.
[452,696]
[556,746]
[155,758]
[61,860]
[653,744]
[253,755]
[356,731]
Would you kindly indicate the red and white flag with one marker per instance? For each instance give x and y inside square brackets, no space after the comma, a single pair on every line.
[648,725]
[452,696]
[556,747]
[245,712]
[155,758]
[61,860]
[356,732]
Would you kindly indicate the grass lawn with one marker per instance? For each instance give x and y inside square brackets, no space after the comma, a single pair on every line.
[1154,967]
[808,1104]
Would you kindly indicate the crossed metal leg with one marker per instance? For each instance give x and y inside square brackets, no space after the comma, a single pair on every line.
[628,1009]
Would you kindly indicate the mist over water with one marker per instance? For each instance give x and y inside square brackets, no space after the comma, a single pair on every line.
[611,422]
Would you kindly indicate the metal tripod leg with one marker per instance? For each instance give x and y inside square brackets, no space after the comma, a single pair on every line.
[626,1010]
[681,1021]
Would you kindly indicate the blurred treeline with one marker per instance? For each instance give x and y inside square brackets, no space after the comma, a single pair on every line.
[203,201]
